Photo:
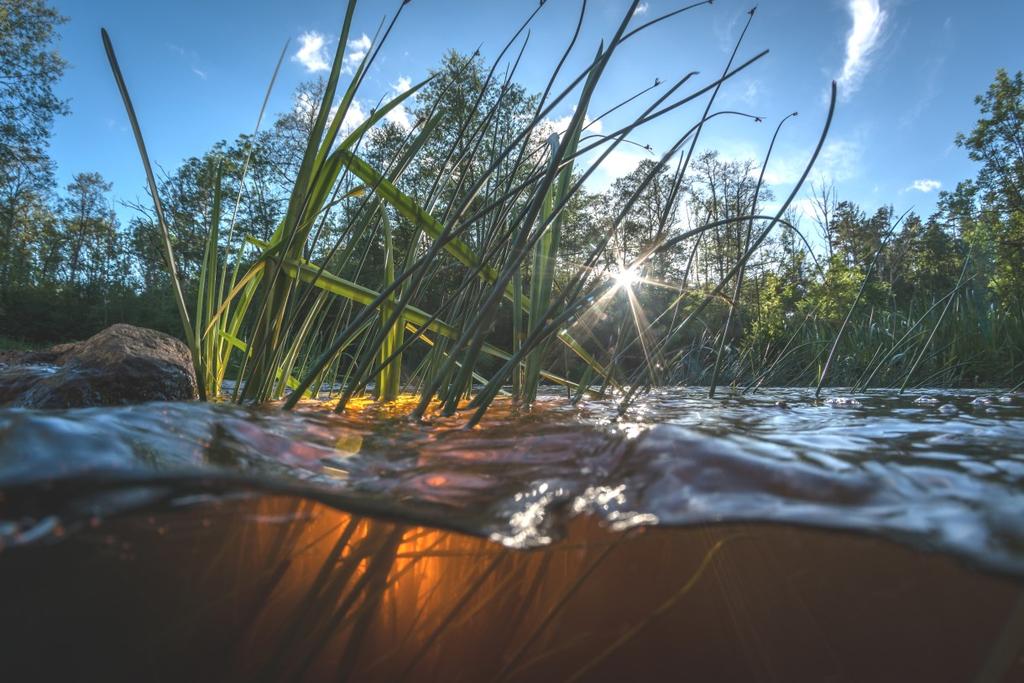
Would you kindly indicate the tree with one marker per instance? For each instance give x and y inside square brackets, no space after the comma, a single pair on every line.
[988,211]
[643,224]
[29,70]
[721,190]
[997,143]
[89,230]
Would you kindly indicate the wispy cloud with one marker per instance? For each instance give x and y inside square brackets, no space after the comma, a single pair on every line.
[748,93]
[925,185]
[190,56]
[357,51]
[312,53]
[840,160]
[641,9]
[868,22]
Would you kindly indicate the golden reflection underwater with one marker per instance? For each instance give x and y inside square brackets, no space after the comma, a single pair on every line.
[281,589]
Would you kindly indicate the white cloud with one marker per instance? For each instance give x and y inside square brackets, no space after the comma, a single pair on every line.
[361,43]
[617,164]
[312,53]
[561,125]
[868,21]
[925,185]
[357,51]
[353,117]
[840,160]
[199,72]
[803,207]
[641,9]
[781,170]
[400,115]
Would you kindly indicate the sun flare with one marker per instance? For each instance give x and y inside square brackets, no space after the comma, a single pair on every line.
[625,278]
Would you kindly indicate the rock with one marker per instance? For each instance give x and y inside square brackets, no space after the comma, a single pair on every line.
[17,379]
[52,356]
[122,364]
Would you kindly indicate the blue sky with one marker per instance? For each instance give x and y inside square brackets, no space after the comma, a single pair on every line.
[908,71]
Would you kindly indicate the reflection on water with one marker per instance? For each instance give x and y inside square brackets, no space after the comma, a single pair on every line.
[284,589]
[902,467]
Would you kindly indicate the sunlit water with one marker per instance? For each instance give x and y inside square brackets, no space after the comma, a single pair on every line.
[937,470]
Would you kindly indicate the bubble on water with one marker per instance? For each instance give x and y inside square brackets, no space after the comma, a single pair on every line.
[981,401]
[843,402]
[1006,399]
[926,401]
[621,521]
[948,409]
[782,404]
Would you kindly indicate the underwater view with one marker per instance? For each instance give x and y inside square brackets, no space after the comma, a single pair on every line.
[762,537]
[434,340]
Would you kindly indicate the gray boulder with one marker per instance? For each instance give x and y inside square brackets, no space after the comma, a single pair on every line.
[122,364]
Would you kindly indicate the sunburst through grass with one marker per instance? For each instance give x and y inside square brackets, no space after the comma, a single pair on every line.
[299,313]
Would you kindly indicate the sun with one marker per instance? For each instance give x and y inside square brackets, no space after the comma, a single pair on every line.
[625,278]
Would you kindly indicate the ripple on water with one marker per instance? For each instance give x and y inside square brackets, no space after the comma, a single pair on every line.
[922,467]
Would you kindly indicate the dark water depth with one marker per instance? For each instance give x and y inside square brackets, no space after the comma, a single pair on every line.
[934,470]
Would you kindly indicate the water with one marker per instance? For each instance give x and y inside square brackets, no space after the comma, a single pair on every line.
[904,467]
[766,537]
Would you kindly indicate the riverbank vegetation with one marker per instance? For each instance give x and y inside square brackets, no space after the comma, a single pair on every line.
[456,251]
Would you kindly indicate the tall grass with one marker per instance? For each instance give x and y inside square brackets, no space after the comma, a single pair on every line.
[955,340]
[289,325]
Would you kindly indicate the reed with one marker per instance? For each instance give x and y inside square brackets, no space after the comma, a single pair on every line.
[301,311]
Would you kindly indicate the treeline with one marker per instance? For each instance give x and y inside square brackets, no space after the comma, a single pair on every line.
[874,296]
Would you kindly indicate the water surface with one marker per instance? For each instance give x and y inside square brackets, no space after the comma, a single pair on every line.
[936,470]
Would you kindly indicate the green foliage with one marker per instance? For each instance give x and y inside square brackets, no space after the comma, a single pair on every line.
[447,246]
[29,70]
[775,308]
[834,295]
[988,211]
